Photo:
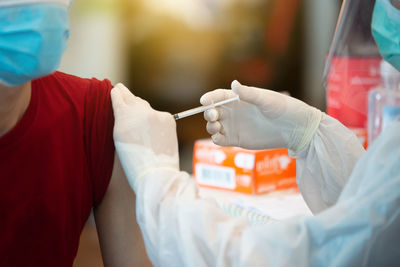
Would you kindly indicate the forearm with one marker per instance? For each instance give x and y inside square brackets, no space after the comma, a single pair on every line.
[324,167]
[119,235]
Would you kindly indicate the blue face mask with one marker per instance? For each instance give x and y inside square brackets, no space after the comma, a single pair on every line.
[32,40]
[386,31]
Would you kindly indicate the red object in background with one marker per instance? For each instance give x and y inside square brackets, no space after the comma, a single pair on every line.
[281,22]
[348,83]
[362,136]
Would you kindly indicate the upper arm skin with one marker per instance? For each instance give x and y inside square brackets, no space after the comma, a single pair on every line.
[120,238]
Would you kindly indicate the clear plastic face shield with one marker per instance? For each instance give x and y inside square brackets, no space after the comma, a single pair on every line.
[384,101]
[352,66]
[352,34]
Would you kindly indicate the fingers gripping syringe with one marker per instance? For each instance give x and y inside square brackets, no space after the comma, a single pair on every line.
[193,111]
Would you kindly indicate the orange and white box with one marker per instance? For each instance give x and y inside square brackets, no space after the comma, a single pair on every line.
[241,170]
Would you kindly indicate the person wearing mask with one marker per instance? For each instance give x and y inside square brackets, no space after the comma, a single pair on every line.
[57,159]
[354,194]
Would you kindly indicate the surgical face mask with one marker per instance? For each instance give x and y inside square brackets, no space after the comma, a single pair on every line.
[33,37]
[386,31]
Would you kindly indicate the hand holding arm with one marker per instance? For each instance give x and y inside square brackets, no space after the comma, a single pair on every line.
[145,139]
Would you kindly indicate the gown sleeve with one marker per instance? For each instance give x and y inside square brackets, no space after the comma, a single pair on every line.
[324,167]
[180,228]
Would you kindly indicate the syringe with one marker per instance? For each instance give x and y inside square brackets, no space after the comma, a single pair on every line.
[200,109]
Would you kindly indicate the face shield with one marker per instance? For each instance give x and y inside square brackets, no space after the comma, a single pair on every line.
[352,66]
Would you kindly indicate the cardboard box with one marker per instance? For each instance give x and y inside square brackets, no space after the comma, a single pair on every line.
[241,170]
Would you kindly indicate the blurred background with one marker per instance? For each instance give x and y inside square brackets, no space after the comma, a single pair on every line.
[170,52]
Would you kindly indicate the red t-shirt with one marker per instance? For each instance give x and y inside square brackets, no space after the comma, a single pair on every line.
[55,165]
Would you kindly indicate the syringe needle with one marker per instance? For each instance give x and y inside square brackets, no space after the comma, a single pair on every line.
[200,109]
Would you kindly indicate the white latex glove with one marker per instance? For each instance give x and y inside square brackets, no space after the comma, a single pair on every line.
[262,119]
[145,139]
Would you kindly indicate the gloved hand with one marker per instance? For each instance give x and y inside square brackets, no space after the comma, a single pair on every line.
[145,139]
[262,119]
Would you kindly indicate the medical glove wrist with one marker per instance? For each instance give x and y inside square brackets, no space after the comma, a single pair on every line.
[262,119]
[145,139]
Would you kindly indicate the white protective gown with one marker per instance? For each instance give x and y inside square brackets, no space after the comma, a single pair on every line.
[354,195]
